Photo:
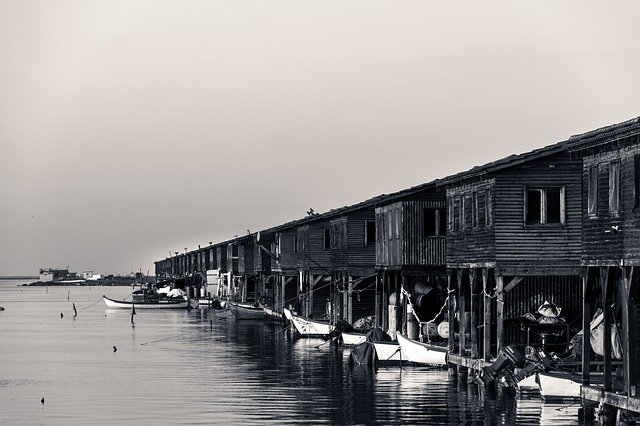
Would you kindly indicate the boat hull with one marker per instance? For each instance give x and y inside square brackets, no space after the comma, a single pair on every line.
[421,353]
[388,352]
[558,387]
[308,328]
[162,304]
[247,312]
[352,338]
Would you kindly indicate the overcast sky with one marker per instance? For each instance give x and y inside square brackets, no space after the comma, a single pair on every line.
[131,129]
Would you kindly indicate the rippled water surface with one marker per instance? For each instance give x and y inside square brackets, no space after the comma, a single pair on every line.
[179,367]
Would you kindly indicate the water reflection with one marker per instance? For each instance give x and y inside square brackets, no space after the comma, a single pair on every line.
[191,367]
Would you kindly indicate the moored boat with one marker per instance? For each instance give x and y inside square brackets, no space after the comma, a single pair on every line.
[353,338]
[421,353]
[272,314]
[388,352]
[157,303]
[558,386]
[243,311]
[307,327]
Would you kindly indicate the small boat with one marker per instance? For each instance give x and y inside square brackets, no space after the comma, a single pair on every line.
[223,313]
[307,327]
[421,353]
[243,311]
[272,314]
[388,352]
[353,338]
[558,386]
[147,303]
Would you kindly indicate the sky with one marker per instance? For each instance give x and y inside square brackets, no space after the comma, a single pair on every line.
[133,129]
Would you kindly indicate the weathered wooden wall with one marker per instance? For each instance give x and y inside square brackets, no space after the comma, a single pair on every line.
[541,248]
[468,244]
[609,238]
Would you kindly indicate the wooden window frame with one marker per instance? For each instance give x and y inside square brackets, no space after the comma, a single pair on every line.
[368,241]
[614,188]
[592,191]
[474,210]
[543,206]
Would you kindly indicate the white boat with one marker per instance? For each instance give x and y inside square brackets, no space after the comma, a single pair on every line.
[558,386]
[353,338]
[168,303]
[308,328]
[272,314]
[243,311]
[388,352]
[421,353]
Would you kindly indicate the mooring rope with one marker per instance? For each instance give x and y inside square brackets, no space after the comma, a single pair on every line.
[90,306]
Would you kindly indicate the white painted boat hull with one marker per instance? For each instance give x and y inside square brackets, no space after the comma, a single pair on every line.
[558,387]
[353,338]
[167,304]
[308,327]
[421,353]
[272,314]
[388,352]
[247,312]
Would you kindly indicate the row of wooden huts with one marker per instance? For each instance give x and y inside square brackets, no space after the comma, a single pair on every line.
[558,224]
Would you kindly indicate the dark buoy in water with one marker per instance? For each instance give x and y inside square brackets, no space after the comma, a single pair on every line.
[61,315]
[42,400]
[115,349]
[75,312]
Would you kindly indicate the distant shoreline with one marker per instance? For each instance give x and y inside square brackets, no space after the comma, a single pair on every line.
[18,277]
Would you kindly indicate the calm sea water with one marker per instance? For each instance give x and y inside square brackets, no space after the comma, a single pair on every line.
[175,368]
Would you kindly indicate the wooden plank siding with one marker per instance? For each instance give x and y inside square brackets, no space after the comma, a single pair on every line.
[612,238]
[360,256]
[311,253]
[467,244]
[284,248]
[551,248]
[221,258]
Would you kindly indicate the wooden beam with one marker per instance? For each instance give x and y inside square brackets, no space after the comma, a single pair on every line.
[486,318]
[628,333]
[514,282]
[606,335]
[451,311]
[474,312]
[500,311]
[376,312]
[586,331]
[461,315]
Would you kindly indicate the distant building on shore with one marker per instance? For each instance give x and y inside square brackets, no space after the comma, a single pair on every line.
[53,275]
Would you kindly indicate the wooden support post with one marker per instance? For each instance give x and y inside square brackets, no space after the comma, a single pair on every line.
[586,331]
[486,319]
[404,307]
[474,311]
[462,350]
[451,311]
[385,301]
[376,312]
[606,335]
[500,311]
[628,332]
[398,306]
[350,304]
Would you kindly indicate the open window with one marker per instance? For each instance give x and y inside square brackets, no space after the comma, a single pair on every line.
[369,232]
[327,239]
[614,187]
[435,222]
[544,206]
[592,197]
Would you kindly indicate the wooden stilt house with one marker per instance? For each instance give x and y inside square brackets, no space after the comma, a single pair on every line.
[610,259]
[513,243]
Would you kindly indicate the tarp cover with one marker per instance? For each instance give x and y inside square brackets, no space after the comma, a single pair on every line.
[164,290]
[378,335]
[176,292]
[364,354]
[597,338]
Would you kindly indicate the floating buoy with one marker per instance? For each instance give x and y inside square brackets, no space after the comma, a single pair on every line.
[115,349]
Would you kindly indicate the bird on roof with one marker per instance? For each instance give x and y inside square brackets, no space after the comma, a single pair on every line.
[115,349]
